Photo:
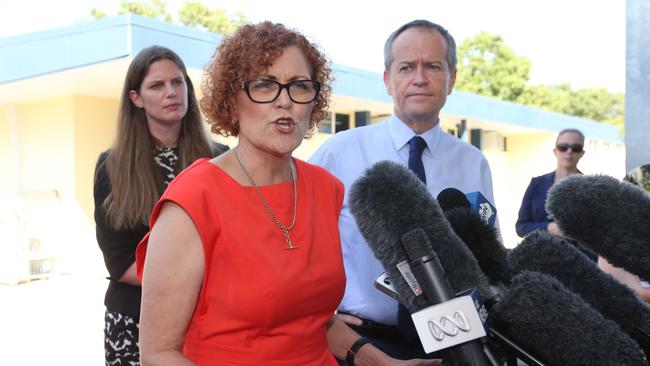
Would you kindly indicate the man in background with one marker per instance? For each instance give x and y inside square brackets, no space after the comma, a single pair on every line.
[420,72]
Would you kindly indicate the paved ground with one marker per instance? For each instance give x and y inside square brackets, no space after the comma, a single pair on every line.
[57,321]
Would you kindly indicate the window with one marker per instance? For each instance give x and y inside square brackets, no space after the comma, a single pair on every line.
[341,122]
[325,126]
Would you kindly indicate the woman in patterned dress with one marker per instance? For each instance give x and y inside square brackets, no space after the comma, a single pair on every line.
[159,133]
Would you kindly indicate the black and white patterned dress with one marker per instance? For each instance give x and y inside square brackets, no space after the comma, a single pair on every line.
[166,158]
[121,331]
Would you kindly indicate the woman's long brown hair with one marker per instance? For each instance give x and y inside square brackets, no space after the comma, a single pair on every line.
[136,181]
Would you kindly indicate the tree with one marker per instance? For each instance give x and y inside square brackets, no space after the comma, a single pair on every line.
[597,104]
[192,14]
[487,66]
[97,14]
[156,9]
[553,98]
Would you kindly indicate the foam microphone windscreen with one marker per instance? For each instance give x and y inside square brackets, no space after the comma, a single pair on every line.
[450,198]
[561,327]
[542,252]
[389,200]
[391,254]
[610,217]
[483,241]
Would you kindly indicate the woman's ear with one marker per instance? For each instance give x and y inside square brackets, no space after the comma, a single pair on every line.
[135,99]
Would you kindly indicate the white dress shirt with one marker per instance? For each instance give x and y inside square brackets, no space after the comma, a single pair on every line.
[448,162]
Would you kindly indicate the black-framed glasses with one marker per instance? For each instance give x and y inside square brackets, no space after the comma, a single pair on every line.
[266,91]
[576,148]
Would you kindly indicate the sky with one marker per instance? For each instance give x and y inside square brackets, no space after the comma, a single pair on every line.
[580,42]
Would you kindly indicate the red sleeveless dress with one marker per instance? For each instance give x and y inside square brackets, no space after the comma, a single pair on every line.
[260,304]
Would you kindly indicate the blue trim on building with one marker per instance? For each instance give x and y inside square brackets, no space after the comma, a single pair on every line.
[360,84]
[93,42]
[490,109]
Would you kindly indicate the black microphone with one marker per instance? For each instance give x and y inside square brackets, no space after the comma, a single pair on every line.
[610,217]
[426,267]
[543,315]
[389,200]
[431,277]
[481,238]
[450,198]
[542,252]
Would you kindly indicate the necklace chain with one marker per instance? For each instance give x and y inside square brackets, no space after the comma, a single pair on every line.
[285,230]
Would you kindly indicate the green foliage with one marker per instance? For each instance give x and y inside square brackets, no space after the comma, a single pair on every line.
[97,14]
[487,66]
[155,9]
[192,14]
[597,104]
[549,97]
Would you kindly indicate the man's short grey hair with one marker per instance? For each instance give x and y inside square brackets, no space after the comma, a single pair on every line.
[420,23]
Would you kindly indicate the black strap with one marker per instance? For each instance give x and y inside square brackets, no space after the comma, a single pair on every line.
[349,357]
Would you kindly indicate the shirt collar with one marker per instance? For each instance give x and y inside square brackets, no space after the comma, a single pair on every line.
[402,134]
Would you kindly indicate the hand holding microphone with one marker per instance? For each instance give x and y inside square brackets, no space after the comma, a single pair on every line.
[554,229]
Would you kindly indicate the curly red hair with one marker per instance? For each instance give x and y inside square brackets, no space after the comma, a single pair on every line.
[250,51]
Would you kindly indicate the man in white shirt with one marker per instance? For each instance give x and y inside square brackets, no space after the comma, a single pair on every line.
[420,71]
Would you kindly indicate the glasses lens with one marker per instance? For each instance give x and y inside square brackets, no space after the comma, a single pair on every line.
[574,147]
[262,91]
[303,91]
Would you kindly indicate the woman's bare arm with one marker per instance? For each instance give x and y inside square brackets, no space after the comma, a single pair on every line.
[173,273]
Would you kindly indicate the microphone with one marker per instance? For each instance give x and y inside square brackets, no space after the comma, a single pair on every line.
[454,325]
[607,216]
[450,198]
[483,207]
[401,278]
[560,326]
[426,267]
[542,252]
[543,315]
[481,238]
[389,200]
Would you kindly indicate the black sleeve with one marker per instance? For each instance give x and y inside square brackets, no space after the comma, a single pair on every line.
[117,246]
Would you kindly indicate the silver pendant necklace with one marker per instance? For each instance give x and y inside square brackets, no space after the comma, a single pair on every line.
[285,230]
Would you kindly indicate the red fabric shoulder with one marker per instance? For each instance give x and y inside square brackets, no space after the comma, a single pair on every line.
[183,192]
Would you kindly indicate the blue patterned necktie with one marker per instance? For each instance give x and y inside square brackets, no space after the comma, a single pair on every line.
[416,146]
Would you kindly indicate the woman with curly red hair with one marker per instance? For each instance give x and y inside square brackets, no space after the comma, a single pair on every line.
[243,261]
